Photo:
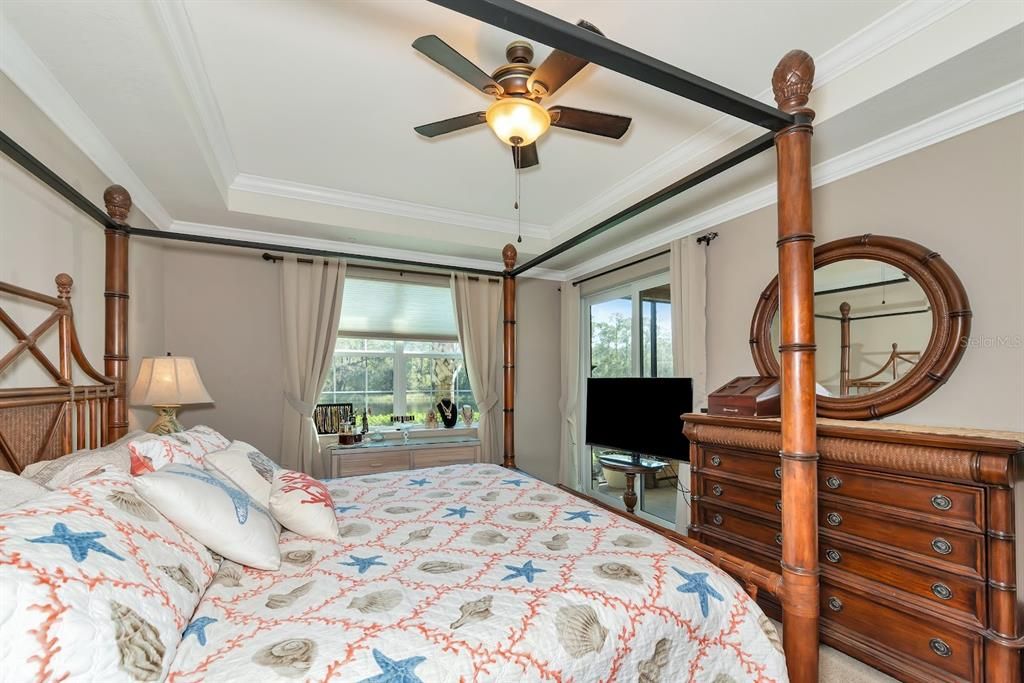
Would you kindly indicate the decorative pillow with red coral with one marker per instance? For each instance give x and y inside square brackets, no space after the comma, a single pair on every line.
[188,448]
[249,469]
[304,505]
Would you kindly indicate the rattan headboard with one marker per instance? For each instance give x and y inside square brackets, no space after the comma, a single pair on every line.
[38,423]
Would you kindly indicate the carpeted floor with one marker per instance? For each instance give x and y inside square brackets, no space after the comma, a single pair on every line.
[836,667]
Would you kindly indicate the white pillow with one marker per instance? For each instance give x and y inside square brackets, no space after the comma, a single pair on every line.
[95,585]
[188,447]
[249,469]
[217,513]
[15,490]
[67,469]
[304,505]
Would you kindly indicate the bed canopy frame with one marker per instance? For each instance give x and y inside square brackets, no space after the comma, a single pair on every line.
[789,131]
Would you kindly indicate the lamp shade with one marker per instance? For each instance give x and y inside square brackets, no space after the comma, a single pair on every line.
[517,120]
[168,381]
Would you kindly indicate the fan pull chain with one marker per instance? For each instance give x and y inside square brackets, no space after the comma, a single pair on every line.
[519,217]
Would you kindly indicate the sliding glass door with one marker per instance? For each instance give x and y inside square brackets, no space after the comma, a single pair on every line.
[627,332]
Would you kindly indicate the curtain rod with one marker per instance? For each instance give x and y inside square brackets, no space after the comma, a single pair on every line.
[706,240]
[274,258]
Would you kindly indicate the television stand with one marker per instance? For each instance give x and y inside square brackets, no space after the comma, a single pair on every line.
[631,464]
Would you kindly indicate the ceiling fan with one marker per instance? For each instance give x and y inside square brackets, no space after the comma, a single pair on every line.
[516,116]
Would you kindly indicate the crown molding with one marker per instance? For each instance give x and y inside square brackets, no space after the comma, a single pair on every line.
[274,238]
[895,26]
[32,77]
[962,118]
[286,189]
[204,113]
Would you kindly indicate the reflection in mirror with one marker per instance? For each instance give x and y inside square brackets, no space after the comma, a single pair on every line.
[872,323]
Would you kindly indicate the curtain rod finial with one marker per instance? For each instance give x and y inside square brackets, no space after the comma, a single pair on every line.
[118,202]
[508,256]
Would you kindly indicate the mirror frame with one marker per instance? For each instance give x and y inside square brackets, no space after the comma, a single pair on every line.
[951,325]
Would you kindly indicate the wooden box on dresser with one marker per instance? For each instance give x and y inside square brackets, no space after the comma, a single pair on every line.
[917,546]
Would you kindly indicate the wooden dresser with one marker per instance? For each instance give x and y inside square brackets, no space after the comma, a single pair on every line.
[917,547]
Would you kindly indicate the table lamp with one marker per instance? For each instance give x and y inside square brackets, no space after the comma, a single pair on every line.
[167,383]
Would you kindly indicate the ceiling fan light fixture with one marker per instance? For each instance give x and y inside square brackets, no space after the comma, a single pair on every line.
[517,120]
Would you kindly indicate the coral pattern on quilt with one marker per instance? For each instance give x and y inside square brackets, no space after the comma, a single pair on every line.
[477,573]
[187,448]
[95,585]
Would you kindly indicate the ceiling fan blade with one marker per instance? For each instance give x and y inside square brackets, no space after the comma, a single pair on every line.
[558,68]
[445,55]
[526,157]
[432,130]
[593,122]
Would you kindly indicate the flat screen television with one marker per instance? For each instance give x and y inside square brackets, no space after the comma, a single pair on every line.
[639,415]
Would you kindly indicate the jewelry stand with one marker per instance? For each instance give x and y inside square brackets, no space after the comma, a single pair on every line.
[449,414]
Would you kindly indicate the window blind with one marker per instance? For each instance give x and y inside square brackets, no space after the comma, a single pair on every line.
[384,309]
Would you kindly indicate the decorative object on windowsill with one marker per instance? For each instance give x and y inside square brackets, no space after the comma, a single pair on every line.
[329,417]
[366,420]
[449,416]
[431,421]
[166,384]
[467,415]
[347,436]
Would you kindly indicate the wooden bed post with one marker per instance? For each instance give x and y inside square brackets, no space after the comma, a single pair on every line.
[115,295]
[508,292]
[791,83]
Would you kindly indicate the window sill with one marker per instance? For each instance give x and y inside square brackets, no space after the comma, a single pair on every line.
[393,436]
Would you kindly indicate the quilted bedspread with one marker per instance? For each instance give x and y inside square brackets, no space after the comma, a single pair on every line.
[477,573]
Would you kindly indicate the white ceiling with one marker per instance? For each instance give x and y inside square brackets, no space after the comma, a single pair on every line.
[291,120]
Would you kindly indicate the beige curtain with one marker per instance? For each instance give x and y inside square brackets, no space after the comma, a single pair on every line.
[310,312]
[688,289]
[478,316]
[568,402]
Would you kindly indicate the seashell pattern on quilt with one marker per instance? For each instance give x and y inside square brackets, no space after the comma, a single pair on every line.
[528,584]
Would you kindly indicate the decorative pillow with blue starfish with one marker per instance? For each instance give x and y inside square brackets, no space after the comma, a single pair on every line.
[216,512]
[95,585]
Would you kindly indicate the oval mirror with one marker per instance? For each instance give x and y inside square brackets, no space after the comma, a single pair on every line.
[891,323]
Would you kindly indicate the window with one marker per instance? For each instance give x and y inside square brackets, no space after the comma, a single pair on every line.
[397,351]
[628,333]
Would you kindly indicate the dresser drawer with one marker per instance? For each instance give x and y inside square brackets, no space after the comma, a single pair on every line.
[936,544]
[753,465]
[941,588]
[352,464]
[945,502]
[721,519]
[730,492]
[947,650]
[438,457]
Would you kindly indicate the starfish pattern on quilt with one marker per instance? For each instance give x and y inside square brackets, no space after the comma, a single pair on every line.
[697,582]
[364,563]
[79,543]
[418,482]
[461,512]
[198,629]
[240,499]
[395,670]
[342,509]
[585,515]
[514,482]
[527,571]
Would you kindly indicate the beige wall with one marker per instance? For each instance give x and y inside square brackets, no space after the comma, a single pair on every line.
[221,306]
[538,377]
[41,234]
[963,198]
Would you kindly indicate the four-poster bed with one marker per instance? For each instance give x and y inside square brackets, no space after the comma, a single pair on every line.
[796,587]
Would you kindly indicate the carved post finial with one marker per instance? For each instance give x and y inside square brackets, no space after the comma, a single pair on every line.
[792,82]
[844,309]
[509,255]
[64,283]
[118,203]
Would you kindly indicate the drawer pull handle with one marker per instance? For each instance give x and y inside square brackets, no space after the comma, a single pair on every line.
[940,647]
[942,546]
[835,604]
[834,518]
[833,556]
[717,519]
[717,490]
[778,538]
[715,460]
[941,502]
[942,591]
[833,482]
[778,505]
[778,473]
